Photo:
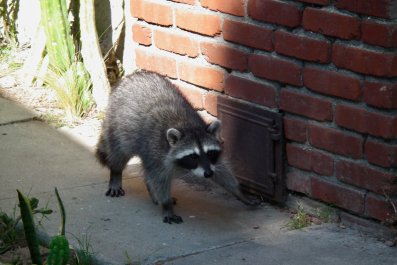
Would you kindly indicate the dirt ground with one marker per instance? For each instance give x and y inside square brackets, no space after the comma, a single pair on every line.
[42,100]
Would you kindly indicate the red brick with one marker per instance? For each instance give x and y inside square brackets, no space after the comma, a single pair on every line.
[365,61]
[336,141]
[176,43]
[193,95]
[379,33]
[310,160]
[339,195]
[152,12]
[295,130]
[252,91]
[232,7]
[156,63]
[365,121]
[202,76]
[367,226]
[316,2]
[224,56]
[381,153]
[332,83]
[142,35]
[381,94]
[248,35]
[273,11]
[211,103]
[377,8]
[331,23]
[202,23]
[306,105]
[379,207]
[275,68]
[362,176]
[302,47]
[189,2]
[299,182]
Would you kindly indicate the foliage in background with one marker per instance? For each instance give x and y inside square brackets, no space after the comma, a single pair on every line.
[8,59]
[66,73]
[72,89]
[9,15]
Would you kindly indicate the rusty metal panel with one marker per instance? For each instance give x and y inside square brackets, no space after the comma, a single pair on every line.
[253,143]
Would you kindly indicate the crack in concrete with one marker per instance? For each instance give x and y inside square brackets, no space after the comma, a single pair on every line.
[161,261]
[20,121]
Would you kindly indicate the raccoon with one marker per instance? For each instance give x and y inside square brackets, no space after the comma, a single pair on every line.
[149,118]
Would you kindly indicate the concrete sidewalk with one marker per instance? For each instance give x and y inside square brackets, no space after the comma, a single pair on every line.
[217,229]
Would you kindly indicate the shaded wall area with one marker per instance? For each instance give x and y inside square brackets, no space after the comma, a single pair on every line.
[329,65]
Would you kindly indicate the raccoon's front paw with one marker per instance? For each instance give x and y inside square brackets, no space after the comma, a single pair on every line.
[172,219]
[115,192]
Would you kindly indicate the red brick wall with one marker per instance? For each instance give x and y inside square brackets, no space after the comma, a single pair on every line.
[329,65]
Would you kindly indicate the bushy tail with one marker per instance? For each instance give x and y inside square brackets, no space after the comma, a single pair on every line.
[100,152]
[225,178]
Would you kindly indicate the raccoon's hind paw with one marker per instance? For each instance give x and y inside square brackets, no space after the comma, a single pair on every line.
[115,192]
[172,219]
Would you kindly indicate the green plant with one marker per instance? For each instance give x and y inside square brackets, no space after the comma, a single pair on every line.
[9,238]
[8,235]
[325,214]
[9,14]
[29,228]
[128,258]
[55,120]
[84,253]
[59,44]
[66,73]
[72,88]
[59,245]
[8,61]
[299,220]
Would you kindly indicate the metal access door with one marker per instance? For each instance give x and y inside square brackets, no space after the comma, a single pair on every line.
[253,143]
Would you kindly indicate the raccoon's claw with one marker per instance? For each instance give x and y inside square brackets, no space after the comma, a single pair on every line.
[115,192]
[172,219]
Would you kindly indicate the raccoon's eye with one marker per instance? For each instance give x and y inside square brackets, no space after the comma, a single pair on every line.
[189,162]
[213,156]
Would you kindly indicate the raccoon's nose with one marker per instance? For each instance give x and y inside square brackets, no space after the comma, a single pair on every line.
[208,173]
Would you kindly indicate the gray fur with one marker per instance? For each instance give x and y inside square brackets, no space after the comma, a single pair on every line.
[149,118]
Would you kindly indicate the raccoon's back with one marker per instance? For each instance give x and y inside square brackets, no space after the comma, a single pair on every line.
[143,106]
[146,95]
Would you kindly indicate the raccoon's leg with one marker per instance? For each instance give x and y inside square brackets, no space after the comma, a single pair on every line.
[159,187]
[116,163]
[115,184]
[168,212]
[149,189]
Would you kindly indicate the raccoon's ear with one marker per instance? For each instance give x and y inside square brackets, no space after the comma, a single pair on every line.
[173,136]
[214,128]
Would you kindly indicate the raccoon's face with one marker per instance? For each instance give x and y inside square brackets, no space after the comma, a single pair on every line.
[196,151]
